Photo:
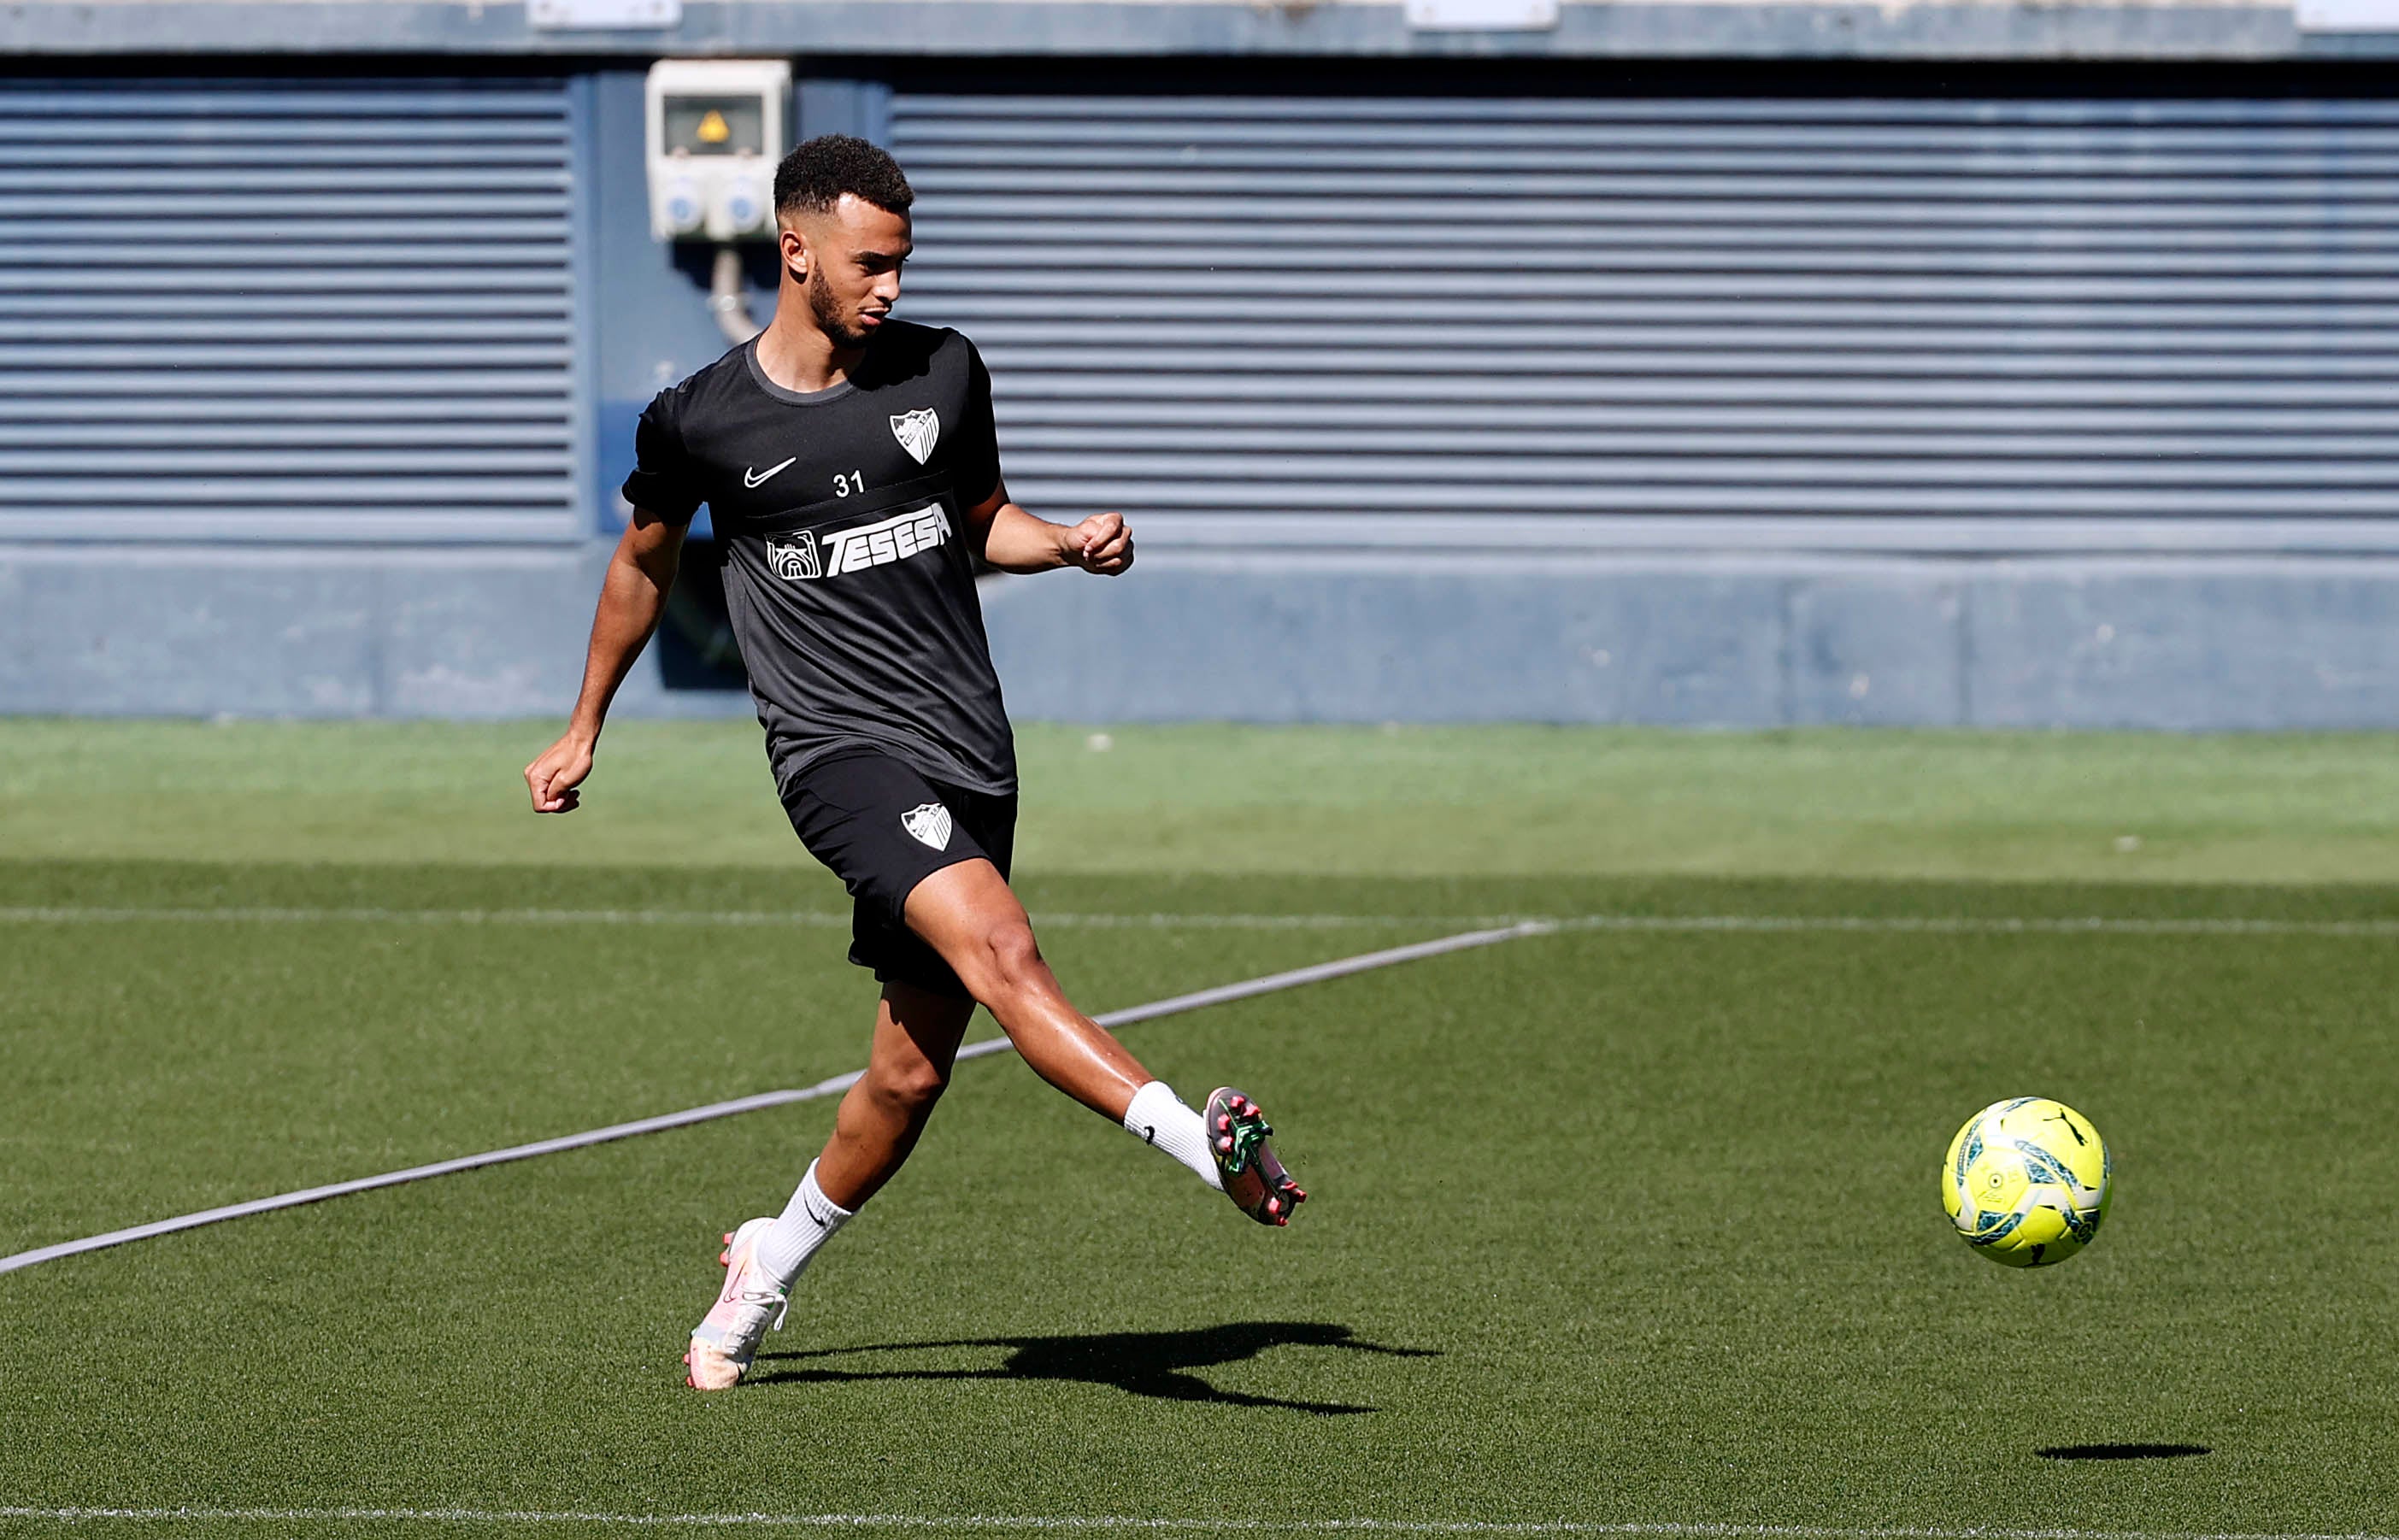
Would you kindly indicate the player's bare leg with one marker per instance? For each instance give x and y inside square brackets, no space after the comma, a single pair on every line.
[970,916]
[917,1036]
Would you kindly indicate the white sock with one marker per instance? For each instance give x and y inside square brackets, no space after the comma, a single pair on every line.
[808,1220]
[1158,1117]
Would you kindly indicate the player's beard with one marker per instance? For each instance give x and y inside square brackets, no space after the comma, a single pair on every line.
[829,319]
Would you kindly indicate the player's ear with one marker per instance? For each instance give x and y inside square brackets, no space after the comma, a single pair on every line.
[795,251]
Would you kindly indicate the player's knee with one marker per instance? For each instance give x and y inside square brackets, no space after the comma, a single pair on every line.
[910,1089]
[1011,962]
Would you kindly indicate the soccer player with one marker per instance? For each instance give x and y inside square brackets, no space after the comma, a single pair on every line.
[852,466]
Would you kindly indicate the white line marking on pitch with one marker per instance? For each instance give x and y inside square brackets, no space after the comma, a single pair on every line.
[1501,929]
[1976,925]
[1197,1000]
[1111,1522]
[1951,925]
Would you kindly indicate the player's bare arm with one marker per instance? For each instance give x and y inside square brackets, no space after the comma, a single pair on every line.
[1015,541]
[632,596]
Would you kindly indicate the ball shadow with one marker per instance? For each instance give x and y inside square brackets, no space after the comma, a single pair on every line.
[1157,1364]
[2121,1451]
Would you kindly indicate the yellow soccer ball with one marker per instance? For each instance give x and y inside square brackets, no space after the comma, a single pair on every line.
[2026,1182]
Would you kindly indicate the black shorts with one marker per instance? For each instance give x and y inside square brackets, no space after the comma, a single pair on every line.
[882,827]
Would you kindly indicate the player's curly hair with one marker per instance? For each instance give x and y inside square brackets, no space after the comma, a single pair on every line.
[812,178]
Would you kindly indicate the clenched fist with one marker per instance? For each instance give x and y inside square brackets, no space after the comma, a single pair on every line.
[554,776]
[1101,544]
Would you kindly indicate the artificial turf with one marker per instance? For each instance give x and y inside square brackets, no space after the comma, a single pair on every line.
[1610,1227]
[1413,802]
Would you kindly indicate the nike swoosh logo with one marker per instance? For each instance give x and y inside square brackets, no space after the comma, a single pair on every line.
[754,477]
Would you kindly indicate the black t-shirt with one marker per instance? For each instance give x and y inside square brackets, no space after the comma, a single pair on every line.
[847,572]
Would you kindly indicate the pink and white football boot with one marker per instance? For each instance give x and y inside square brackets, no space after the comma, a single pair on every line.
[723,1345]
[1253,1178]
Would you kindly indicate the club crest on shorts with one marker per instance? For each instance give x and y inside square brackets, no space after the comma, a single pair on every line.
[916,432]
[928,824]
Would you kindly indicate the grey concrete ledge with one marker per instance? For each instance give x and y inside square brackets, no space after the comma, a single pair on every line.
[1995,30]
[199,630]
[2190,642]
[1734,640]
[2061,565]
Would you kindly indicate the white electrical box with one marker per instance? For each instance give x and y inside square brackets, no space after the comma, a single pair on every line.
[717,129]
[1482,15]
[2348,14]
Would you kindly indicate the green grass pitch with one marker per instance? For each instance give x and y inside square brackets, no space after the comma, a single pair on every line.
[1611,1226]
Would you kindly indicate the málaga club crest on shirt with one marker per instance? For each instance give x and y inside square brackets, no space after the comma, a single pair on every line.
[916,432]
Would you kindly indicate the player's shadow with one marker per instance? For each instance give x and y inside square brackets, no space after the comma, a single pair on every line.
[1162,1364]
[2121,1451]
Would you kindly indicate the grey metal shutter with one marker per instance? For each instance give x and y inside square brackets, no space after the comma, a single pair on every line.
[1958,324]
[313,312]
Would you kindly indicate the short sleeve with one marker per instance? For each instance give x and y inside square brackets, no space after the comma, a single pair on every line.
[976,466]
[664,480]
